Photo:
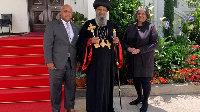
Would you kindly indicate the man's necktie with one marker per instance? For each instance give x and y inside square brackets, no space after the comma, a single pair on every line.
[68,32]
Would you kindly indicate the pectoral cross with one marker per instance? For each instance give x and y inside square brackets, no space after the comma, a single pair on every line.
[91,28]
[108,44]
[103,44]
[97,45]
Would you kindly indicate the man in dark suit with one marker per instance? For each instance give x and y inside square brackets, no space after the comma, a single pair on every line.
[60,40]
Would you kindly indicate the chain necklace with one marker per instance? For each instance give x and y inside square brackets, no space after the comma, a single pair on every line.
[102,32]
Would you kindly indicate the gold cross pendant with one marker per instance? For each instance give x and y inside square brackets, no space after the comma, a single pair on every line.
[91,28]
[103,44]
[114,31]
[108,44]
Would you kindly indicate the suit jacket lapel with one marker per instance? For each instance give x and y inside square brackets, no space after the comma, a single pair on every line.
[62,27]
[75,32]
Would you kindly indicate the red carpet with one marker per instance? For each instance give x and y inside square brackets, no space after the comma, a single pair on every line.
[21,50]
[20,41]
[23,70]
[28,107]
[28,81]
[23,74]
[19,60]
[35,34]
[24,94]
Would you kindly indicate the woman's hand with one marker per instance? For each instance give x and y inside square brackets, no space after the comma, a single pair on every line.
[136,51]
[133,50]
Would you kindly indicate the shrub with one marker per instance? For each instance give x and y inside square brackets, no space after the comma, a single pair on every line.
[173,56]
[169,14]
[78,19]
[122,13]
[191,26]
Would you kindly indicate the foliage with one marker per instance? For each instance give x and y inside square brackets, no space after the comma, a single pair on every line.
[192,3]
[122,13]
[172,56]
[80,75]
[177,58]
[78,19]
[191,26]
[169,14]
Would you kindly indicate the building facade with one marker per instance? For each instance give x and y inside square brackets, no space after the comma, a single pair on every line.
[21,13]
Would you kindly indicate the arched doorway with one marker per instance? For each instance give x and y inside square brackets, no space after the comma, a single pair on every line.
[43,11]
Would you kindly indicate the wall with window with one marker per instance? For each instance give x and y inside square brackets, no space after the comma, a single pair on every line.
[182,8]
[19,11]
[186,7]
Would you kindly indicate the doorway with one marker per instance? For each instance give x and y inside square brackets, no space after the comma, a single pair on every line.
[43,11]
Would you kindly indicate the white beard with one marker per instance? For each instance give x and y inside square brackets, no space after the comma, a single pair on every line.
[101,21]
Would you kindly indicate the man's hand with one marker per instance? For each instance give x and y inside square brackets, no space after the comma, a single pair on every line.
[51,66]
[95,40]
[115,40]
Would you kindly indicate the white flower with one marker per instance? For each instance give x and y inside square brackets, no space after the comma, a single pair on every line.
[151,8]
[161,19]
[191,27]
[151,15]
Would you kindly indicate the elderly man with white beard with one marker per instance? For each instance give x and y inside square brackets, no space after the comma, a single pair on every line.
[96,46]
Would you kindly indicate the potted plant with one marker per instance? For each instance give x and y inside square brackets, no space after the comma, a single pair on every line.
[80,77]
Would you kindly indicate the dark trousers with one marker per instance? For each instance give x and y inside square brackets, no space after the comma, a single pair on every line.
[143,84]
[57,76]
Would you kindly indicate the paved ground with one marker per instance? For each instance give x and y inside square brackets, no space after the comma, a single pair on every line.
[163,103]
[163,98]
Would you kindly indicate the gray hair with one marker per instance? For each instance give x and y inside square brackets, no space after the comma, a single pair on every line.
[142,8]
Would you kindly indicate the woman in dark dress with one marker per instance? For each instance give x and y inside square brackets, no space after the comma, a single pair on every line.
[141,40]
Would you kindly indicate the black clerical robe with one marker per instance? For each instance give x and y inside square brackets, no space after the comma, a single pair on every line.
[98,64]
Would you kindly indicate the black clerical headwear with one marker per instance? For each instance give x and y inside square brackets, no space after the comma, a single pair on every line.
[105,3]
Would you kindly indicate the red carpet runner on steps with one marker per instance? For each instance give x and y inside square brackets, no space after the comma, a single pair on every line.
[24,80]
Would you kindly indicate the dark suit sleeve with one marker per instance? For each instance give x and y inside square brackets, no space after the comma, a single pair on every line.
[153,41]
[48,43]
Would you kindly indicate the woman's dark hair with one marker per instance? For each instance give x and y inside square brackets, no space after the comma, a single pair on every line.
[142,8]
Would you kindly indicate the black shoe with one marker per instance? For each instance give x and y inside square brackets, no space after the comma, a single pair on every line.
[142,111]
[144,107]
[135,102]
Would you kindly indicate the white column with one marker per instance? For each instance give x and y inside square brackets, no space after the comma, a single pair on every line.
[85,8]
[155,13]
[91,12]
